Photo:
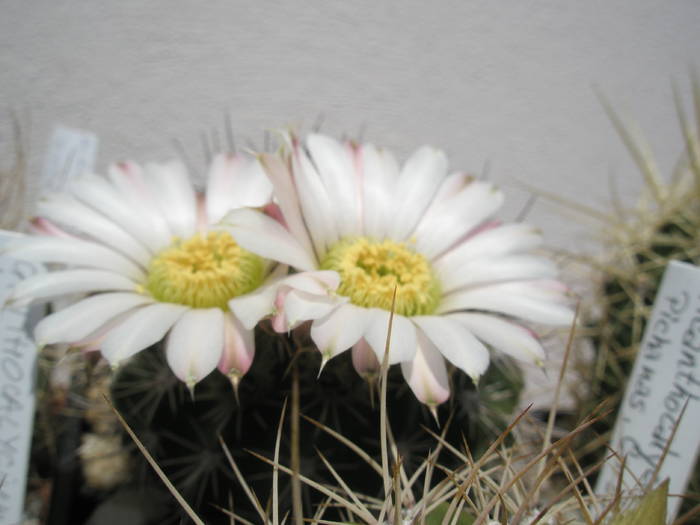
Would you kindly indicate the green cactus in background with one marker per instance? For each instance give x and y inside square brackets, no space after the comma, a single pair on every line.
[664,226]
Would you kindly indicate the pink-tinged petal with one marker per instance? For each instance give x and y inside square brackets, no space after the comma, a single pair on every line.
[195,344]
[334,162]
[173,192]
[287,198]
[49,285]
[490,243]
[79,320]
[456,343]
[258,233]
[315,202]
[483,271]
[133,185]
[143,328]
[441,227]
[420,178]
[339,330]
[254,306]
[104,198]
[235,182]
[274,211]
[78,217]
[266,300]
[426,373]
[364,360]
[535,301]
[74,252]
[238,350]
[379,183]
[42,226]
[319,282]
[300,306]
[509,338]
[403,336]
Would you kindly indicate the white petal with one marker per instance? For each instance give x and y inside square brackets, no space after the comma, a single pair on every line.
[494,242]
[442,227]
[336,166]
[49,285]
[403,336]
[287,197]
[532,301]
[419,180]
[73,252]
[145,327]
[379,183]
[172,190]
[319,213]
[238,349]
[302,306]
[132,183]
[235,182]
[456,343]
[97,193]
[510,338]
[451,185]
[81,319]
[264,236]
[195,344]
[340,329]
[488,270]
[252,307]
[426,373]
[364,360]
[69,212]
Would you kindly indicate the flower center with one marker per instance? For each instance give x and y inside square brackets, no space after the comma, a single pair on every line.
[370,270]
[204,271]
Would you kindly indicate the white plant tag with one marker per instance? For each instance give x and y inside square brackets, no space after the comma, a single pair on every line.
[665,376]
[17,373]
[71,153]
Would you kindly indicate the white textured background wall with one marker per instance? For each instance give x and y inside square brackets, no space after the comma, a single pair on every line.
[505,83]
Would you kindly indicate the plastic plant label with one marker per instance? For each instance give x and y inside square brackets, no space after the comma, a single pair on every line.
[18,355]
[665,378]
[71,153]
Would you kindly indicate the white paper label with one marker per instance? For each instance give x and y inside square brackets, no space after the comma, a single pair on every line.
[71,153]
[17,372]
[665,376]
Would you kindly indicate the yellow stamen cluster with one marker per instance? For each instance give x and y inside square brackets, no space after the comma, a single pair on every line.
[204,271]
[370,270]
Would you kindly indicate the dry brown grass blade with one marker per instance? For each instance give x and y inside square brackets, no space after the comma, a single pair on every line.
[638,149]
[559,444]
[275,471]
[176,494]
[297,506]
[557,391]
[364,514]
[618,493]
[383,420]
[341,482]
[246,488]
[464,486]
[345,441]
[667,447]
[691,140]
